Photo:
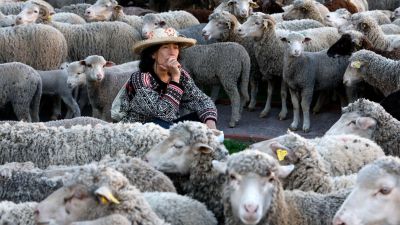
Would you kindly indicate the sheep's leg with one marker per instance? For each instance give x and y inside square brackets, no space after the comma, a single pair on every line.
[306,98]
[96,113]
[267,107]
[253,93]
[73,107]
[283,112]
[215,92]
[296,109]
[56,108]
[21,110]
[322,97]
[233,93]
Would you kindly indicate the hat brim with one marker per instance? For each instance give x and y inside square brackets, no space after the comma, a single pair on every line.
[182,41]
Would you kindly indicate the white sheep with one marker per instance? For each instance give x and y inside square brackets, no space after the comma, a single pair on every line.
[378,71]
[306,9]
[11,8]
[78,9]
[376,188]
[24,141]
[22,213]
[241,9]
[65,17]
[253,194]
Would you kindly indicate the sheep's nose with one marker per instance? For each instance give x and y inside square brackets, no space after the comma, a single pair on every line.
[240,30]
[338,221]
[88,12]
[251,208]
[328,16]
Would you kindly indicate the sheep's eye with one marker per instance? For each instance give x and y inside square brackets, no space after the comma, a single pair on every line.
[88,65]
[288,42]
[257,23]
[232,177]
[271,179]
[385,191]
[178,146]
[353,122]
[35,11]
[156,23]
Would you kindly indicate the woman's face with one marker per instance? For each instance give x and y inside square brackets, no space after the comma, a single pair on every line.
[166,52]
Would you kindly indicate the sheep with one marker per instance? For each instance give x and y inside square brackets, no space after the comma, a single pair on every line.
[62,3]
[253,194]
[353,6]
[96,196]
[268,48]
[188,152]
[33,51]
[239,8]
[370,120]
[340,154]
[376,70]
[208,64]
[90,38]
[271,7]
[78,9]
[176,19]
[391,104]
[67,123]
[306,9]
[383,4]
[64,17]
[22,182]
[46,146]
[101,10]
[22,213]
[376,188]
[22,87]
[134,21]
[11,8]
[305,72]
[370,28]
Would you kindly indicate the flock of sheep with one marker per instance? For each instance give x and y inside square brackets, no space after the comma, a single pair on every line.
[90,171]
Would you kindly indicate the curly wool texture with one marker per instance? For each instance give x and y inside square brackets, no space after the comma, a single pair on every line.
[11,8]
[78,9]
[46,146]
[65,17]
[179,210]
[67,123]
[135,21]
[22,213]
[379,71]
[386,134]
[306,9]
[176,19]
[40,54]
[287,207]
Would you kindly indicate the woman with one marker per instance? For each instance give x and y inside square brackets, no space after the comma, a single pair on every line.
[161,88]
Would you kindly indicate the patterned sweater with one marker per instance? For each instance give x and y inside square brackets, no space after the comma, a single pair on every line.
[147,97]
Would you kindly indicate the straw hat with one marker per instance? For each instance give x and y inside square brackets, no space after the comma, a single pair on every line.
[163,36]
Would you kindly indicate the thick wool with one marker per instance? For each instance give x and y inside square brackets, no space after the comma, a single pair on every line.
[46,146]
[67,123]
[65,17]
[379,71]
[304,10]
[386,134]
[176,19]
[135,21]
[11,8]
[39,46]
[78,9]
[22,213]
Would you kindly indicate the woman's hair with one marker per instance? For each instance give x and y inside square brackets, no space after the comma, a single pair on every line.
[146,60]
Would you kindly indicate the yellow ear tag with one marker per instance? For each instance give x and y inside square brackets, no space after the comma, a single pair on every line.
[281,153]
[356,64]
[103,200]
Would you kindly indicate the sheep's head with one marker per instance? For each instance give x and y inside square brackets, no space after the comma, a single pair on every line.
[347,44]
[306,9]
[364,23]
[32,11]
[94,67]
[256,25]
[241,8]
[102,10]
[186,140]
[220,24]
[295,42]
[252,183]
[151,22]
[338,18]
[354,72]
[75,74]
[89,193]
[396,13]
[377,187]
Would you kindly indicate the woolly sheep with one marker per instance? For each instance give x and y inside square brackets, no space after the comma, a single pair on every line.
[101,10]
[306,72]
[11,8]
[32,49]
[64,17]
[306,9]
[369,119]
[239,8]
[175,19]
[22,87]
[212,65]
[376,70]
[96,196]
[134,21]
[22,213]
[62,3]
[383,4]
[23,141]
[81,44]
[269,48]
[67,123]
[376,188]
[340,154]
[78,9]
[253,194]
[22,182]
[370,28]
[188,152]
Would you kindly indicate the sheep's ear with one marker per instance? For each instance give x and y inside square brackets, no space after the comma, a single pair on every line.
[202,148]
[254,5]
[268,23]
[357,64]
[105,196]
[306,39]
[366,123]
[109,64]
[82,62]
[284,171]
[162,23]
[281,152]
[220,167]
[117,8]
[364,27]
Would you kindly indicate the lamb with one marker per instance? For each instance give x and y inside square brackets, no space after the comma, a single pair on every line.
[81,44]
[269,48]
[380,179]
[41,55]
[96,196]
[239,8]
[376,70]
[340,154]
[176,19]
[24,141]
[353,6]
[22,87]
[22,182]
[305,72]
[22,213]
[188,152]
[369,119]
[253,194]
[208,64]
[306,9]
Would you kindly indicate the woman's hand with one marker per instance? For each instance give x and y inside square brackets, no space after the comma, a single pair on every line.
[173,67]
[211,124]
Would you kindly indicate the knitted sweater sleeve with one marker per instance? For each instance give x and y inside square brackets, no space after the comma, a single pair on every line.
[150,103]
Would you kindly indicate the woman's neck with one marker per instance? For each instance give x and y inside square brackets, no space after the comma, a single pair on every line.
[162,74]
